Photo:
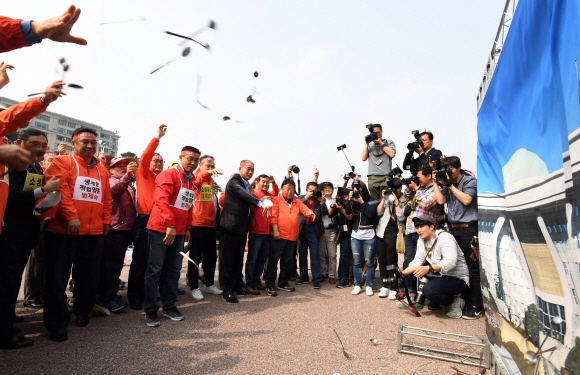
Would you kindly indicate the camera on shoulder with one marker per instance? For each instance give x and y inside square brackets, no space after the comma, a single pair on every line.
[372,136]
[417,143]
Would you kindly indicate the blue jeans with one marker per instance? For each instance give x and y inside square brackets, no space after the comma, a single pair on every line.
[344,260]
[309,240]
[411,245]
[363,251]
[167,258]
[258,246]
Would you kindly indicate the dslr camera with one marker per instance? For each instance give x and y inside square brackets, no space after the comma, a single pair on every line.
[408,180]
[394,180]
[295,169]
[348,176]
[355,194]
[317,193]
[340,192]
[417,143]
[372,136]
[443,175]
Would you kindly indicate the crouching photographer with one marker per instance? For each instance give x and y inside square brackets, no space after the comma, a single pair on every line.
[440,257]
[458,189]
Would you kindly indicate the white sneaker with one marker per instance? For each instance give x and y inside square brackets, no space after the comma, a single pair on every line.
[213,290]
[384,292]
[393,295]
[200,270]
[356,290]
[370,291]
[456,309]
[196,294]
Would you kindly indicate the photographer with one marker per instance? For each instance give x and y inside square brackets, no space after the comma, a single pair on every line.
[310,231]
[380,152]
[423,146]
[327,242]
[363,241]
[437,251]
[459,190]
[387,231]
[343,233]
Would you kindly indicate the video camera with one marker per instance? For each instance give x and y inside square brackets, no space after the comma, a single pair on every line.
[372,136]
[397,281]
[417,143]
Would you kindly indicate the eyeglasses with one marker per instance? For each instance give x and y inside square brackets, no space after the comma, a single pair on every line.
[158,161]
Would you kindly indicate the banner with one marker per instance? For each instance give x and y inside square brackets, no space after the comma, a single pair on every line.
[528,170]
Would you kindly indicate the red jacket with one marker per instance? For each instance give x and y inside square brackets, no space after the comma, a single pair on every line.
[92,215]
[168,185]
[124,210]
[287,218]
[204,212]
[11,35]
[261,224]
[145,179]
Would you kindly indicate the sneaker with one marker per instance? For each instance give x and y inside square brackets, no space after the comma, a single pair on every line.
[370,291]
[384,292]
[415,304]
[196,294]
[272,292]
[152,319]
[172,313]
[456,308]
[258,285]
[473,312]
[316,285]
[116,306]
[287,288]
[200,272]
[432,306]
[393,295]
[213,289]
[342,283]
[356,290]
[301,281]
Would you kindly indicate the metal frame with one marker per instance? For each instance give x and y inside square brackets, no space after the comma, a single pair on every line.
[493,57]
[445,346]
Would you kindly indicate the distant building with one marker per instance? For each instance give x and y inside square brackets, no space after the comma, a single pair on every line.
[59,129]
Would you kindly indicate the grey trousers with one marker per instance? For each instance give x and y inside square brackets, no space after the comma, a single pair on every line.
[327,247]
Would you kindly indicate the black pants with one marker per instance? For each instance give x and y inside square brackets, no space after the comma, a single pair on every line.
[14,253]
[280,250]
[202,242]
[36,272]
[116,243]
[387,252]
[232,248]
[463,236]
[135,289]
[62,250]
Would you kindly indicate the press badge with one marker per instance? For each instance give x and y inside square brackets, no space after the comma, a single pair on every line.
[378,162]
[345,228]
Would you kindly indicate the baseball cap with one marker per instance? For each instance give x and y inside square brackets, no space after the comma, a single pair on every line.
[423,220]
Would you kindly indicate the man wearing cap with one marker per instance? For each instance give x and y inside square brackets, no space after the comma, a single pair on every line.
[76,233]
[203,234]
[21,232]
[151,164]
[233,230]
[437,253]
[169,228]
[120,235]
[36,267]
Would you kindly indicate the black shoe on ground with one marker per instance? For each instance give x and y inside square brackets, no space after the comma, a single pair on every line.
[287,288]
[473,312]
[58,336]
[243,291]
[230,297]
[291,278]
[342,283]
[181,292]
[323,278]
[296,276]
[82,320]
[16,342]
[433,306]
[258,285]
[18,318]
[136,304]
[34,304]
[173,314]
[316,285]
[152,320]
[272,292]
[116,306]
[300,282]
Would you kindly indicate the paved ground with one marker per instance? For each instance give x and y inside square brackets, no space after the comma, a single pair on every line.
[288,334]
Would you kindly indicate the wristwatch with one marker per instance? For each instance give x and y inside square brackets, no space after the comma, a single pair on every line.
[431,270]
[171,226]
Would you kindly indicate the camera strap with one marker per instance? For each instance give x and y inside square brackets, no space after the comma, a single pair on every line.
[382,151]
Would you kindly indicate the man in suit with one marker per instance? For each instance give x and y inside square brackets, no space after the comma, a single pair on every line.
[233,231]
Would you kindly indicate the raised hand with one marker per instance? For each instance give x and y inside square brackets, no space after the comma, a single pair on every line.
[58,28]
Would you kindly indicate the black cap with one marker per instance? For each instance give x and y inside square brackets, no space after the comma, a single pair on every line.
[423,220]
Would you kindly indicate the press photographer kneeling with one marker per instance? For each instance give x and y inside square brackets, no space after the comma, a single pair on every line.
[439,257]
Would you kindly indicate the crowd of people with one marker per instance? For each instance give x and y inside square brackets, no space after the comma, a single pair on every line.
[103,205]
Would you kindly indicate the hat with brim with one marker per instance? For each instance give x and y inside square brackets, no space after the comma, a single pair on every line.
[126,160]
[423,220]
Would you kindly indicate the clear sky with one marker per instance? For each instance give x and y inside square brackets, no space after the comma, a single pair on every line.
[326,69]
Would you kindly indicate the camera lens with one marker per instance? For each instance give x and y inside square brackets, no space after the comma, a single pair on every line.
[295,169]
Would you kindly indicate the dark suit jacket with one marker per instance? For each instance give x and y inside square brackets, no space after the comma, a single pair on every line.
[415,165]
[235,215]
[319,210]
